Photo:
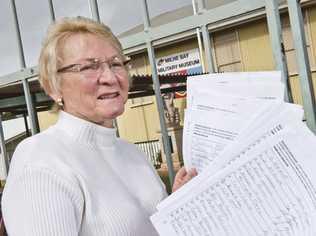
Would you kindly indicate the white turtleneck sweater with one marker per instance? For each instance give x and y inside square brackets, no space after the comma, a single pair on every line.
[78,178]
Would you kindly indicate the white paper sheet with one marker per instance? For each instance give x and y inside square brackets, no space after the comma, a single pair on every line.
[288,116]
[258,76]
[255,158]
[266,85]
[267,193]
[213,122]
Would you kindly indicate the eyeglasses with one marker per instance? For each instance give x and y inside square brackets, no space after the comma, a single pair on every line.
[95,67]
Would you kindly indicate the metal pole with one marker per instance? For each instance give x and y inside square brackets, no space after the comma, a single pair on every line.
[94,10]
[201,6]
[206,40]
[115,124]
[198,35]
[297,26]
[4,161]
[275,32]
[26,125]
[145,16]
[164,131]
[51,10]
[35,117]
[26,88]
[208,49]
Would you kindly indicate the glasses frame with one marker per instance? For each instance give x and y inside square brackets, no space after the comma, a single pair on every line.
[81,67]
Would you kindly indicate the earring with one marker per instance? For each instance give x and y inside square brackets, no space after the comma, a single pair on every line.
[60,102]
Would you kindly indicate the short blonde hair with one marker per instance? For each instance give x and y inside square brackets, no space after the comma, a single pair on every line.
[57,34]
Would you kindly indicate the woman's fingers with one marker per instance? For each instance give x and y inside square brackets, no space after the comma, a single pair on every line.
[183,177]
[181,173]
[190,174]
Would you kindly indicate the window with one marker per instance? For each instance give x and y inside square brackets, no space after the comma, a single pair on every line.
[227,52]
[289,44]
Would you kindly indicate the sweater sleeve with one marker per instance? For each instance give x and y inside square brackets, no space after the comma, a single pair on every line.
[39,202]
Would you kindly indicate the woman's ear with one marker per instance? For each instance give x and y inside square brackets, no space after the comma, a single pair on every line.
[55,96]
[58,99]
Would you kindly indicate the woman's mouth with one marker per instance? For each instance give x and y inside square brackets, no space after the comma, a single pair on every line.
[108,96]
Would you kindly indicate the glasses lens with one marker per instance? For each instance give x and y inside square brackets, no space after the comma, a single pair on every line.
[96,68]
[91,69]
[117,66]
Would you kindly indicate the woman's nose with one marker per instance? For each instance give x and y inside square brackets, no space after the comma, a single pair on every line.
[107,75]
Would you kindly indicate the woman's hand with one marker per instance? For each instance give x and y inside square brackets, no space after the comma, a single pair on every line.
[182,177]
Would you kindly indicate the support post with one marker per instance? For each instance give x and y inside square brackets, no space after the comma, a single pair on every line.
[208,49]
[51,10]
[164,132]
[206,40]
[4,162]
[297,26]
[275,32]
[198,35]
[26,87]
[26,125]
[94,10]
[116,127]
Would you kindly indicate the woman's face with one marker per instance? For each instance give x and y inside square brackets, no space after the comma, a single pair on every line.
[94,95]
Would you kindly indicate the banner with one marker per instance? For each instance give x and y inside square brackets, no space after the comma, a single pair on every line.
[187,62]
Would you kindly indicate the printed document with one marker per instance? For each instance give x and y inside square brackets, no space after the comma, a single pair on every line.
[255,159]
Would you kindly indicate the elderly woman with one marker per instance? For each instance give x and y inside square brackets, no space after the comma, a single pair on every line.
[77,177]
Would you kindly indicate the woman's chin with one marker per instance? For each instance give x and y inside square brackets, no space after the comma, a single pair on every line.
[114,113]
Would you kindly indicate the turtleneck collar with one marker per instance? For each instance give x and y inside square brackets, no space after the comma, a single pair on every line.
[85,131]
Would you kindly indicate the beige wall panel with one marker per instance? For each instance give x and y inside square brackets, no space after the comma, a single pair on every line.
[151,120]
[314,82]
[131,125]
[312,21]
[255,47]
[139,123]
[296,88]
[47,119]
[140,65]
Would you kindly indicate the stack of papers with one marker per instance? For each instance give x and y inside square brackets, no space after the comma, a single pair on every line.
[255,158]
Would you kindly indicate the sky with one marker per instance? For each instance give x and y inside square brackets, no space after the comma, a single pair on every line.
[120,15]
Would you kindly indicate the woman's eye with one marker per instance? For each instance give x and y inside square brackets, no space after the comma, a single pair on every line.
[116,64]
[92,66]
